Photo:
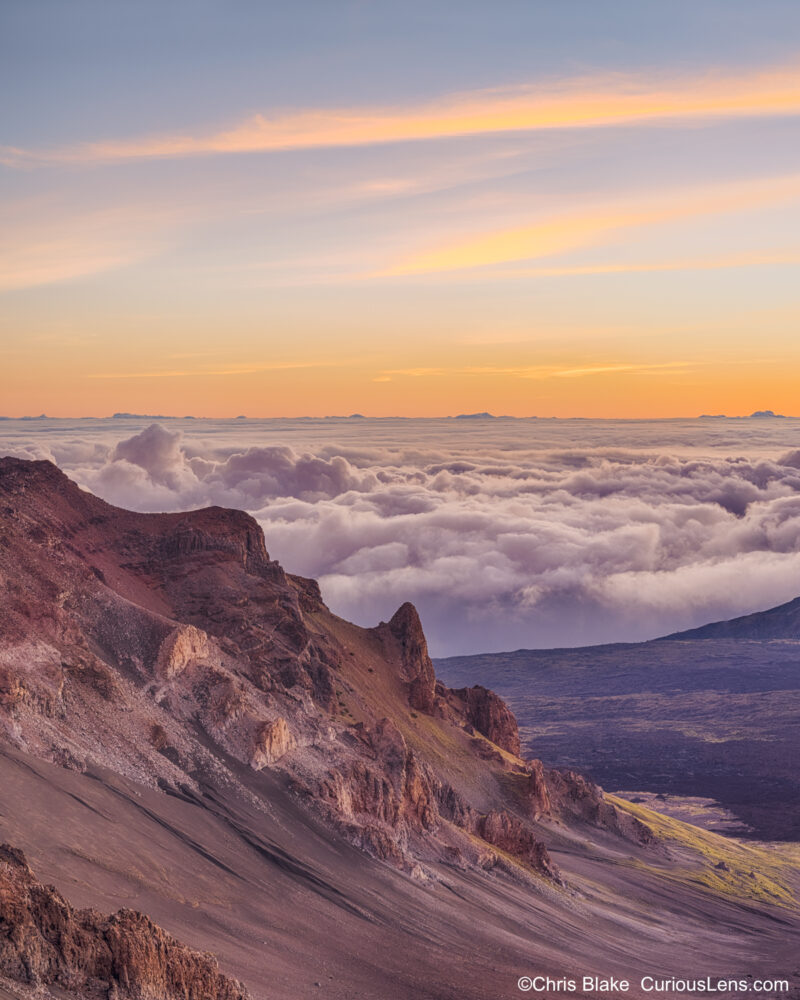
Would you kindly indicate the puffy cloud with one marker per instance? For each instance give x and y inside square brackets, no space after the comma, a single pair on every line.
[156,469]
[158,453]
[505,534]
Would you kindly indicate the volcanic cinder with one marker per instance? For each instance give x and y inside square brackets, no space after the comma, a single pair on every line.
[187,732]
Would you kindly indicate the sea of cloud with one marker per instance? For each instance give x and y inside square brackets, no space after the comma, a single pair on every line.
[504,533]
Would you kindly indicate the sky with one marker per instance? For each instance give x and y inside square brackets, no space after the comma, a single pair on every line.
[418,209]
[504,534]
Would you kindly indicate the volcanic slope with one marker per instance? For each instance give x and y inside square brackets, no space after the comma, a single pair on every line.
[712,713]
[188,731]
[48,944]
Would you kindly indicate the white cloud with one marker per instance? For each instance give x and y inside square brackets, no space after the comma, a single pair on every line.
[504,533]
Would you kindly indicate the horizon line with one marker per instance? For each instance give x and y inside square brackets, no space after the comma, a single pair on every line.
[477,417]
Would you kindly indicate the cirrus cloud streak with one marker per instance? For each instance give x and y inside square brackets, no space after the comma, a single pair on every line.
[581,102]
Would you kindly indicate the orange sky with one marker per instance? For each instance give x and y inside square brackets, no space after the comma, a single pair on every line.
[509,233]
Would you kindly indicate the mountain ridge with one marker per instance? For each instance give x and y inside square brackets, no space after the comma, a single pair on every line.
[264,778]
[708,712]
[265,673]
[780,622]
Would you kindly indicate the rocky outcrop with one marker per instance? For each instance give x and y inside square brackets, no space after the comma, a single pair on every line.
[185,645]
[454,807]
[166,647]
[577,798]
[377,841]
[388,745]
[360,790]
[312,669]
[220,530]
[488,713]
[416,669]
[536,792]
[382,803]
[273,740]
[419,801]
[45,942]
[398,789]
[510,834]
[12,690]
[32,675]
[308,592]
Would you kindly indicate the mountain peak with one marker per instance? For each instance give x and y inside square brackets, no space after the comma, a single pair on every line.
[294,790]
[416,666]
[180,622]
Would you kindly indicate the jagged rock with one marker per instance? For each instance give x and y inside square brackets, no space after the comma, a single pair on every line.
[308,592]
[454,807]
[185,645]
[44,941]
[399,789]
[508,833]
[416,668]
[272,741]
[312,669]
[219,529]
[90,670]
[419,799]
[163,646]
[390,747]
[361,790]
[12,690]
[222,696]
[490,715]
[579,798]
[378,842]
[537,793]
[32,674]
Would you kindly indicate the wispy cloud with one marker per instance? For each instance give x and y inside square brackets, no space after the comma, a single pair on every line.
[49,240]
[688,264]
[573,230]
[45,242]
[45,253]
[537,372]
[57,261]
[617,369]
[582,102]
[244,369]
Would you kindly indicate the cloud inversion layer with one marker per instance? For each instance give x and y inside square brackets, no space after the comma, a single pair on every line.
[504,533]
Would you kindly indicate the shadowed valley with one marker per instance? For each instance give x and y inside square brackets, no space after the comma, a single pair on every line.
[711,713]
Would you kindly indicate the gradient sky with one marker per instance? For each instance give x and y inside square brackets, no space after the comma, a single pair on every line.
[570,209]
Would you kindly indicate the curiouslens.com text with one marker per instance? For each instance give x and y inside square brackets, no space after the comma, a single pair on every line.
[655,985]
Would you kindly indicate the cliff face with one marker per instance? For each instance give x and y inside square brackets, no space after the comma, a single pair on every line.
[581,800]
[406,641]
[44,942]
[489,714]
[162,646]
[193,733]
